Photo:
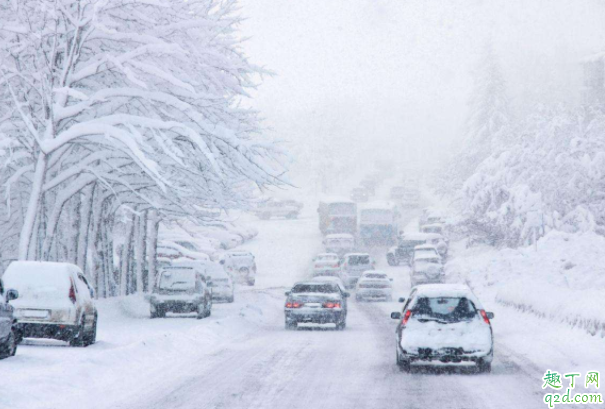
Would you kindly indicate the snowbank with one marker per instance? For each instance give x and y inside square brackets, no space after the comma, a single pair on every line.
[562,280]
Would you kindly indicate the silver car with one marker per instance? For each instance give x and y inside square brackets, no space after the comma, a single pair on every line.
[8,341]
[354,265]
[55,301]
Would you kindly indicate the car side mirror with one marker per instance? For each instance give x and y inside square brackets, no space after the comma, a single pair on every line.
[402,300]
[287,293]
[14,294]
[347,295]
[489,315]
[395,315]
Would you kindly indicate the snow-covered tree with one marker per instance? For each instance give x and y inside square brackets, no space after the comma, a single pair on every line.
[122,104]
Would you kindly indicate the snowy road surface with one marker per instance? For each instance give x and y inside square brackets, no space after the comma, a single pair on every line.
[242,357]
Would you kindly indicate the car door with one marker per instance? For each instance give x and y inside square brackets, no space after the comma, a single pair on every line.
[403,310]
[6,314]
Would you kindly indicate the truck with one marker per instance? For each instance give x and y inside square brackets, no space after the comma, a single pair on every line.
[337,216]
[378,224]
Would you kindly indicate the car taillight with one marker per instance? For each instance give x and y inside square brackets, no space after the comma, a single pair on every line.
[484,315]
[72,293]
[335,265]
[294,304]
[406,317]
[330,304]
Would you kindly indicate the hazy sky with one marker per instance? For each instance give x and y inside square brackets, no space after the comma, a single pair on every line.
[387,75]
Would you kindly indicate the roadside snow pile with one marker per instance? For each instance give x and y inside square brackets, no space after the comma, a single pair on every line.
[563,280]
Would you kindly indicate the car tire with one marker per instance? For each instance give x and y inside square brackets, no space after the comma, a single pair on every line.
[209,309]
[251,282]
[77,338]
[392,260]
[231,299]
[291,325]
[484,367]
[9,348]
[403,364]
[201,311]
[91,337]
[340,326]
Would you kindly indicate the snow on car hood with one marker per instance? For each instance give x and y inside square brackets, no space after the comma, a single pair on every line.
[473,335]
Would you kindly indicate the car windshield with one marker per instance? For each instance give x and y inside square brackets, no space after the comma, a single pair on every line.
[314,288]
[182,279]
[358,260]
[432,260]
[447,309]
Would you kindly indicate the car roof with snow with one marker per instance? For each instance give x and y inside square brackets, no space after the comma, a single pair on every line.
[446,290]
[427,257]
[376,272]
[425,247]
[377,205]
[335,199]
[327,255]
[328,279]
[356,254]
[340,236]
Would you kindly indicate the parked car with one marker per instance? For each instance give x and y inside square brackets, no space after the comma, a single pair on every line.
[354,265]
[374,285]
[436,228]
[55,301]
[360,195]
[290,209]
[241,265]
[8,339]
[220,282]
[181,289]
[339,244]
[426,269]
[315,303]
[444,324]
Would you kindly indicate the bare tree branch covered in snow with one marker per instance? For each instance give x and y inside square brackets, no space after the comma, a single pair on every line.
[114,109]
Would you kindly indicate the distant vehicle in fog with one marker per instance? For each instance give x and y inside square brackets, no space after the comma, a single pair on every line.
[404,250]
[8,338]
[290,209]
[354,265]
[181,289]
[337,216]
[360,195]
[220,283]
[426,250]
[326,264]
[315,302]
[427,269]
[241,265]
[374,285]
[55,301]
[369,184]
[378,224]
[444,325]
[339,244]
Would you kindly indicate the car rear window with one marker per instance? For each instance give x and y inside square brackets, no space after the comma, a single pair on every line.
[182,279]
[359,260]
[379,276]
[448,309]
[314,288]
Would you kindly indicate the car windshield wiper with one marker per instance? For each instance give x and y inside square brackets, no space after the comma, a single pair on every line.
[426,319]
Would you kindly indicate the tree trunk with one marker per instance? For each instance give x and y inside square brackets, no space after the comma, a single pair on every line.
[32,206]
[85,217]
[152,243]
[140,252]
[125,257]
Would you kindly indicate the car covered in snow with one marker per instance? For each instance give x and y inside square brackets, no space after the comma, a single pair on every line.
[359,195]
[404,250]
[426,249]
[339,244]
[55,301]
[219,282]
[8,339]
[315,302]
[427,268]
[326,264]
[181,289]
[354,265]
[436,228]
[241,266]
[374,285]
[290,209]
[444,324]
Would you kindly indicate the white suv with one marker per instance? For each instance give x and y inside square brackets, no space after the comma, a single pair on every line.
[55,301]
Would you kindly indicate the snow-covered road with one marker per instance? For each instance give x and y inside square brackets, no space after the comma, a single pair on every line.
[242,357]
